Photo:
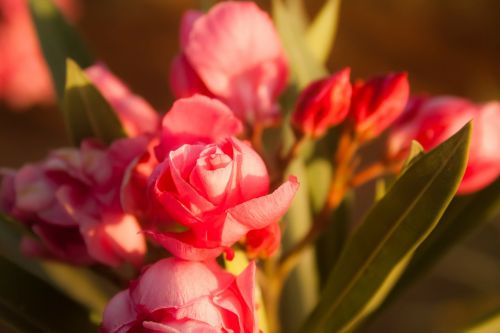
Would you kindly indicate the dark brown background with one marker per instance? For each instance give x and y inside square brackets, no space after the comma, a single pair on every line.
[447,46]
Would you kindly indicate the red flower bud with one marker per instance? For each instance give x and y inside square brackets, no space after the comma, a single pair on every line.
[377,103]
[323,104]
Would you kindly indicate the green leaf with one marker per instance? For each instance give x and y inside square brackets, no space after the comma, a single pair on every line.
[86,113]
[79,283]
[416,151]
[300,293]
[489,324]
[464,214]
[58,41]
[379,250]
[321,33]
[304,66]
[27,304]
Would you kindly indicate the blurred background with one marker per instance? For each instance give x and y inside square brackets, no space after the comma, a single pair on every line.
[447,47]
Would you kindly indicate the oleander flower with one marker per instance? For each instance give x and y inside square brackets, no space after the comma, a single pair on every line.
[233,52]
[174,295]
[135,114]
[431,121]
[194,120]
[24,76]
[219,193]
[263,242]
[71,202]
[323,104]
[377,103]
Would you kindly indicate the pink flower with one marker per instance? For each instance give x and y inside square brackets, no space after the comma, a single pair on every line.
[24,77]
[71,201]
[234,53]
[376,104]
[136,115]
[182,296]
[431,121]
[323,104]
[219,193]
[194,120]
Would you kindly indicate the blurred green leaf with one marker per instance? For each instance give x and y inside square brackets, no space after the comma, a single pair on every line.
[30,305]
[86,113]
[304,65]
[298,11]
[321,32]
[58,41]
[301,289]
[489,324]
[416,151]
[379,250]
[79,283]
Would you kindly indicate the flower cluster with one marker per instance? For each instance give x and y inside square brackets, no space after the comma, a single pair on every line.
[194,184]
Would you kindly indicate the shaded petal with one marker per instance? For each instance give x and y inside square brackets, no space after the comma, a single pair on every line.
[169,283]
[119,315]
[258,213]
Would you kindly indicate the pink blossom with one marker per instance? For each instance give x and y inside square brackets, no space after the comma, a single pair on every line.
[431,121]
[71,201]
[377,103]
[233,52]
[182,296]
[136,115]
[24,77]
[323,104]
[193,120]
[218,192]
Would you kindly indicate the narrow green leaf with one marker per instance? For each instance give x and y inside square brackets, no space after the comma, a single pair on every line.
[304,66]
[321,33]
[86,113]
[79,283]
[489,324]
[298,11]
[464,214]
[28,303]
[301,289]
[379,250]
[416,151]
[58,41]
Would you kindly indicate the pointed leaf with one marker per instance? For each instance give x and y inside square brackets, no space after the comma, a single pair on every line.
[30,305]
[304,66]
[378,251]
[321,33]
[86,113]
[464,214]
[79,283]
[489,324]
[58,41]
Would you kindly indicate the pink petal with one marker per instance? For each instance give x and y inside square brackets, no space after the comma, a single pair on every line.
[119,315]
[198,119]
[115,239]
[169,283]
[182,245]
[136,115]
[244,61]
[33,190]
[258,213]
[184,81]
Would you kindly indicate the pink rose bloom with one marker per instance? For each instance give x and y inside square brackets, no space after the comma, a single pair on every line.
[377,103]
[431,121]
[323,104]
[219,193]
[136,115]
[71,201]
[193,120]
[233,52]
[174,296]
[24,77]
